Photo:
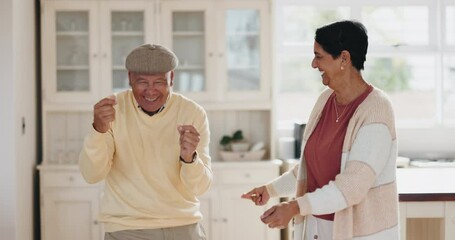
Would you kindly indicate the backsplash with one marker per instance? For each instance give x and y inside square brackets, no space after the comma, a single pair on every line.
[65,131]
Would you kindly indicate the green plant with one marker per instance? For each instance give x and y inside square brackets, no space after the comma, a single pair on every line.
[226,140]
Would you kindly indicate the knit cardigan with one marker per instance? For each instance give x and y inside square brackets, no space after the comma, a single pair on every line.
[363,195]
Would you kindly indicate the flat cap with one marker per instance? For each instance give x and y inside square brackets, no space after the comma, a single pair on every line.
[151,59]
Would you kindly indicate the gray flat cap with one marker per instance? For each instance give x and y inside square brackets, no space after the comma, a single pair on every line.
[151,59]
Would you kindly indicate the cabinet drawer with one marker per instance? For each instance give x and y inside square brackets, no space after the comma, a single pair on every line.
[63,179]
[240,176]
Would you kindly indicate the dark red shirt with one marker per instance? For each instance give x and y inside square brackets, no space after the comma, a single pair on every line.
[324,147]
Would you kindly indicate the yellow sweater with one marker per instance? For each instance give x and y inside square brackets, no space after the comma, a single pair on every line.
[146,186]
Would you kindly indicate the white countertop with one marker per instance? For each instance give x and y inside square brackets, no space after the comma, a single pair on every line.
[426,180]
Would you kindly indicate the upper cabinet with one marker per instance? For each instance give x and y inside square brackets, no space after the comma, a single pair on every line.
[223,49]
[84,46]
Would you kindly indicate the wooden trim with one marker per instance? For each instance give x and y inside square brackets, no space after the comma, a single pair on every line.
[419,197]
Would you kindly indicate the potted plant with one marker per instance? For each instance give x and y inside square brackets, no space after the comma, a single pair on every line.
[235,143]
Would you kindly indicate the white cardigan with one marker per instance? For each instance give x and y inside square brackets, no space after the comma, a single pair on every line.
[363,195]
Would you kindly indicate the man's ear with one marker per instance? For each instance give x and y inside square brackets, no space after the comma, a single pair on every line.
[130,76]
[171,78]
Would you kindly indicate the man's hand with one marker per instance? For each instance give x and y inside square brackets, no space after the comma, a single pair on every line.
[189,139]
[104,114]
[259,195]
[279,215]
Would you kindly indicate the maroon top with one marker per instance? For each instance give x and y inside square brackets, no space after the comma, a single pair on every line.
[324,147]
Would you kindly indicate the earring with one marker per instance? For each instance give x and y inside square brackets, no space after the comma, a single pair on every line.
[342,68]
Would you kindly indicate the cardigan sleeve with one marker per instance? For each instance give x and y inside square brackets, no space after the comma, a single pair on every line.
[284,185]
[370,153]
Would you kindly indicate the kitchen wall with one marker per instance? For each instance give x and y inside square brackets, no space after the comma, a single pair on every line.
[429,143]
[17,103]
[426,143]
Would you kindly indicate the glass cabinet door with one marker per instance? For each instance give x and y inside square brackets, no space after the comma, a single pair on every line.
[243,49]
[245,36]
[188,31]
[220,49]
[188,43]
[125,26]
[69,56]
[72,44]
[127,32]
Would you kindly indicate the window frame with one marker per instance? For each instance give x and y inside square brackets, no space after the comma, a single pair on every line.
[437,46]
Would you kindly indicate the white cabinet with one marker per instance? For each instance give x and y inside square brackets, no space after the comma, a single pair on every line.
[69,206]
[223,47]
[84,45]
[226,215]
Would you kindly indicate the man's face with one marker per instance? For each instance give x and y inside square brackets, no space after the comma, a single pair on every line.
[151,91]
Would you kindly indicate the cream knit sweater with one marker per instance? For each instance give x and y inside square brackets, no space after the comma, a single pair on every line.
[363,195]
[146,186]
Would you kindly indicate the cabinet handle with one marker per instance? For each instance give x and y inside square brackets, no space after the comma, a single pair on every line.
[95,222]
[95,55]
[220,55]
[215,220]
[210,54]
[225,220]
[247,175]
[71,179]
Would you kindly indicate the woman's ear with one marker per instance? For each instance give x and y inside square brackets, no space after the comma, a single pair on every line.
[345,56]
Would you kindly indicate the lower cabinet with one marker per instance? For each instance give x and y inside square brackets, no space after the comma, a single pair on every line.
[70,207]
[229,217]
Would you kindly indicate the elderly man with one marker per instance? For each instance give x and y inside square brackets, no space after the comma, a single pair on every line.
[150,145]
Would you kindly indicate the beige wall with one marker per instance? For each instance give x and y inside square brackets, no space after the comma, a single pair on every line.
[17,102]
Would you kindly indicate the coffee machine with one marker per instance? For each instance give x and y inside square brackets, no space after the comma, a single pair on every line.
[299,128]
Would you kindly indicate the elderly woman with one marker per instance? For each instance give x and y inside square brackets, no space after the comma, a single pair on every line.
[346,185]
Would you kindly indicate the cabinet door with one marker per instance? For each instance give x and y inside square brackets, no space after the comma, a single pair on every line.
[70,214]
[223,49]
[124,27]
[206,210]
[244,41]
[190,35]
[241,218]
[70,52]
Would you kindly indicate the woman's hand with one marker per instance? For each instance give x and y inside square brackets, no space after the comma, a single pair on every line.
[281,214]
[259,195]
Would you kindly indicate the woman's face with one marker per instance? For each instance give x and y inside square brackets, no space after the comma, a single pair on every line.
[151,91]
[329,67]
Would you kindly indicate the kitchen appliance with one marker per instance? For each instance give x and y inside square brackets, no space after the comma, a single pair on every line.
[299,128]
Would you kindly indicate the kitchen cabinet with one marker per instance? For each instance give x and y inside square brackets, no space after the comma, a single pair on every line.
[69,206]
[226,215]
[223,47]
[84,45]
[225,64]
[427,203]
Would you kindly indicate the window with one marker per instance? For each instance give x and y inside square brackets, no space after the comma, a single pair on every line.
[411,56]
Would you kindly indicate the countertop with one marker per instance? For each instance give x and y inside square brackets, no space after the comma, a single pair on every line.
[426,184]
[414,184]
